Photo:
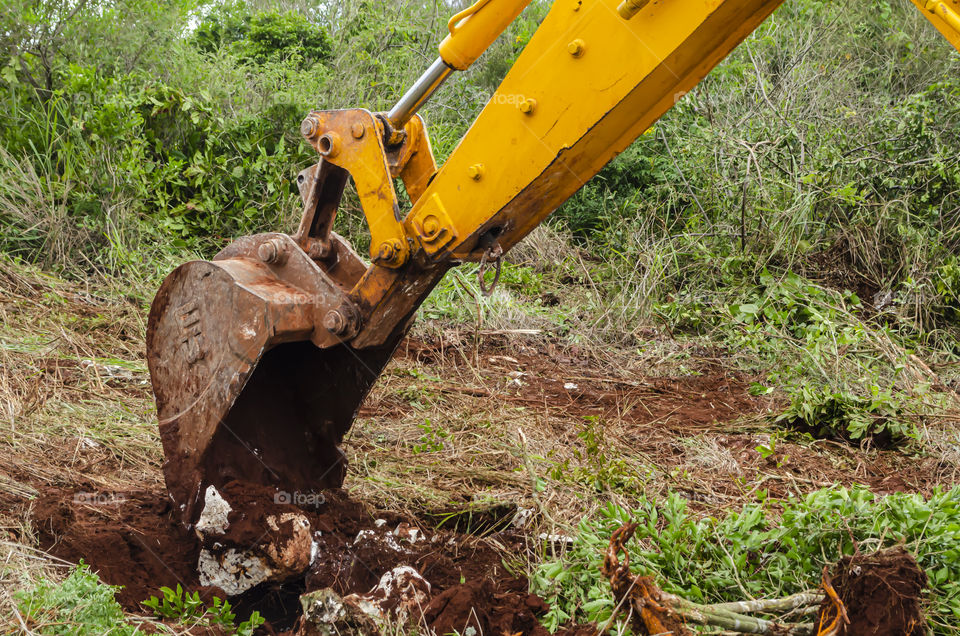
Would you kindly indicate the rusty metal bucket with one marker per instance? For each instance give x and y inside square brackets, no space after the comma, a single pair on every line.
[253,376]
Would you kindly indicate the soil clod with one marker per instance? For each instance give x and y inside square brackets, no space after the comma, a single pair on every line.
[881,592]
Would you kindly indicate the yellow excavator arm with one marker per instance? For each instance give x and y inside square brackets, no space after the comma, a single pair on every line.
[261,357]
[945,15]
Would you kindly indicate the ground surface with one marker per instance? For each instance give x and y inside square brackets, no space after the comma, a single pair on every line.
[463,432]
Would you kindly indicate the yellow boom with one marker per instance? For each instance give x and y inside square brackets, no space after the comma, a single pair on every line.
[943,14]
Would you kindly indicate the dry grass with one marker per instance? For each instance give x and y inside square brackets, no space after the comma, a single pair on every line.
[74,396]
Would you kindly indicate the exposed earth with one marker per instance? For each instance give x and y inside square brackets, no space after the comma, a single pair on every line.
[135,541]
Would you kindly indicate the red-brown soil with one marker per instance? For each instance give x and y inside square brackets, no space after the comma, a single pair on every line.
[882,594]
[135,540]
[131,539]
[655,413]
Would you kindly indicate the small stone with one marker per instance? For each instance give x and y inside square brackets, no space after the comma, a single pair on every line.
[216,510]
[398,596]
[326,614]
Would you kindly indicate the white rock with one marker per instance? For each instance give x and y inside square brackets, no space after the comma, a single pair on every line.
[400,590]
[232,571]
[213,518]
[522,518]
[386,539]
[406,532]
[555,538]
[279,557]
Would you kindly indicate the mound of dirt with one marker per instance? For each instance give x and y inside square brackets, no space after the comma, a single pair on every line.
[131,539]
[135,540]
[882,594]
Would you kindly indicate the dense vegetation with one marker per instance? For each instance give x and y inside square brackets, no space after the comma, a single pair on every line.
[830,132]
[744,553]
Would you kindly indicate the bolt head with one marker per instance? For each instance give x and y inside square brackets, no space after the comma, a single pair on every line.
[357,130]
[527,106]
[431,226]
[386,251]
[268,252]
[576,48]
[334,322]
[309,127]
[475,171]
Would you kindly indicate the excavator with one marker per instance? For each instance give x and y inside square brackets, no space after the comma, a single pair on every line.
[261,357]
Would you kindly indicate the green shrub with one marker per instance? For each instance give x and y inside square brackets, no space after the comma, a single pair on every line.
[262,37]
[80,604]
[755,551]
[841,415]
[188,609]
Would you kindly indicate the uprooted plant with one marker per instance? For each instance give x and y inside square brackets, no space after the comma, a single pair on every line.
[878,593]
[653,611]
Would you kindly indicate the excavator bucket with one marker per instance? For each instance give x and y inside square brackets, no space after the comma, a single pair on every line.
[242,391]
[250,358]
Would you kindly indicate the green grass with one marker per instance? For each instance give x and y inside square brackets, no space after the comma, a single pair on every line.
[81,604]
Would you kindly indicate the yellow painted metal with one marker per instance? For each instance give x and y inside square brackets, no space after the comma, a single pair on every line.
[475,28]
[558,118]
[353,140]
[334,134]
[944,15]
[413,160]
[629,8]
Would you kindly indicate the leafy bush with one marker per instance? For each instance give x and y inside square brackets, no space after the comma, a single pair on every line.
[756,552]
[800,335]
[78,604]
[841,415]
[263,37]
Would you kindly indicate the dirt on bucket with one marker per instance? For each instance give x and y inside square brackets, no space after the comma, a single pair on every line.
[881,592]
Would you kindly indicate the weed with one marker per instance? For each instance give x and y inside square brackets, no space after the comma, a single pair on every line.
[842,415]
[188,609]
[433,439]
[769,450]
[597,464]
[78,604]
